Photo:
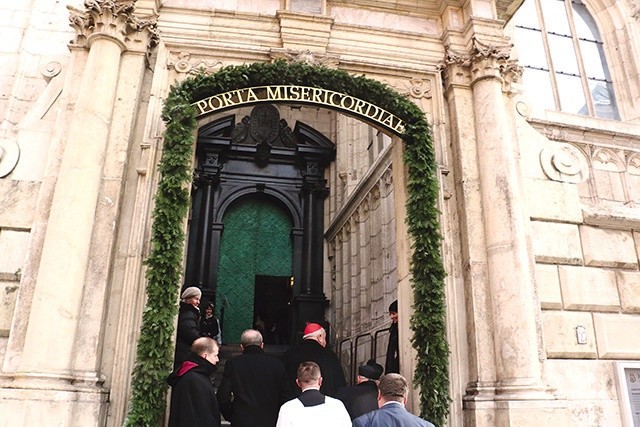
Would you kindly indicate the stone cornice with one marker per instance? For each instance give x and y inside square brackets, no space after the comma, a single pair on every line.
[113,19]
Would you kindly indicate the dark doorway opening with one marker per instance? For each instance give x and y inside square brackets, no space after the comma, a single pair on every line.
[272,308]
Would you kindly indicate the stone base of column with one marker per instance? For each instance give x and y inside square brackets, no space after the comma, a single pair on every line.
[46,400]
[488,405]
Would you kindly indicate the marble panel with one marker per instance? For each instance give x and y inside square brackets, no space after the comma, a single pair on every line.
[556,243]
[608,248]
[586,288]
[554,201]
[629,291]
[560,337]
[617,335]
[548,283]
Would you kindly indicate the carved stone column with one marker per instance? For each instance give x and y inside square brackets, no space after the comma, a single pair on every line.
[106,29]
[506,264]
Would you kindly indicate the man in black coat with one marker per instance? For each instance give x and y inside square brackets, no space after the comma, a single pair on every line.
[193,399]
[392,362]
[313,349]
[362,398]
[253,386]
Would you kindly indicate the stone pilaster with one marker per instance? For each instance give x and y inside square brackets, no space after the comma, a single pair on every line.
[62,352]
[512,333]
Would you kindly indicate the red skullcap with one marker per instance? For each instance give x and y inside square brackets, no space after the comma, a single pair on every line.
[311,328]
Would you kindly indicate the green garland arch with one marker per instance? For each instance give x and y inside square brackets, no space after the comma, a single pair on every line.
[164,264]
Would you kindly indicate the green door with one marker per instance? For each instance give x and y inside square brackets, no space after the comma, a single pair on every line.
[256,241]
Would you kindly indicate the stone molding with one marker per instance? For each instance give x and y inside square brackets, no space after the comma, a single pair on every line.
[483,60]
[114,19]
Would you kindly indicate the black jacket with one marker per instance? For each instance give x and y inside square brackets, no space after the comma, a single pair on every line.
[188,332]
[311,351]
[392,362]
[254,386]
[193,399]
[359,399]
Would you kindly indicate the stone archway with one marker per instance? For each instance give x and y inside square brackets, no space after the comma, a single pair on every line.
[172,200]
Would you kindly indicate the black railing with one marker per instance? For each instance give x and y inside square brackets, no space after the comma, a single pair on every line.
[354,355]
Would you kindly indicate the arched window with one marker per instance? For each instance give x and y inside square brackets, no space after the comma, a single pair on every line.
[562,53]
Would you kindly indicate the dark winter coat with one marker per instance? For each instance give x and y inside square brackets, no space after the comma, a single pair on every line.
[359,399]
[392,363]
[188,332]
[254,386]
[193,399]
[311,351]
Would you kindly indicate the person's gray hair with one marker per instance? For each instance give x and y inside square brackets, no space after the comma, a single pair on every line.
[393,387]
[250,337]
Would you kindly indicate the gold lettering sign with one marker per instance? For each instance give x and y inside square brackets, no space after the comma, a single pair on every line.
[300,94]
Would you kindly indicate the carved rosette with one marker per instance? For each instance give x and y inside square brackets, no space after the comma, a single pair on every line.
[564,163]
[114,19]
[484,60]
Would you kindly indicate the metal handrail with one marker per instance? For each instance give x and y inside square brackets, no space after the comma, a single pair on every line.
[354,342]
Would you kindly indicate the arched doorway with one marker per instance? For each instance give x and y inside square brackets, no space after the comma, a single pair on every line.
[252,172]
[255,270]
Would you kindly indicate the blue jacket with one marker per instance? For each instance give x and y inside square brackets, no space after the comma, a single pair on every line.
[390,415]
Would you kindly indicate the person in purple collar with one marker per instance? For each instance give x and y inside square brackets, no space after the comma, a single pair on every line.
[393,390]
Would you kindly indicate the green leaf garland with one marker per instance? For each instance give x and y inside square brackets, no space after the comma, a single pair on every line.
[164,264]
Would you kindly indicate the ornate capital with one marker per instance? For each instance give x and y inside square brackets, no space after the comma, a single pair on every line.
[114,19]
[484,60]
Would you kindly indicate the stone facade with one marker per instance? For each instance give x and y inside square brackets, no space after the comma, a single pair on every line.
[539,212]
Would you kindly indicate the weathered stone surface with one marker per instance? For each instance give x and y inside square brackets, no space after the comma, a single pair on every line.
[559,333]
[585,288]
[616,335]
[546,237]
[553,201]
[13,247]
[8,295]
[608,248]
[18,201]
[548,283]
[629,291]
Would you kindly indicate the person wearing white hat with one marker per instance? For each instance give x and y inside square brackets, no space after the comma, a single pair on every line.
[188,324]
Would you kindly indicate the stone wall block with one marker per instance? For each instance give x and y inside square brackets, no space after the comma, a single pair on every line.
[304,32]
[8,295]
[546,237]
[18,200]
[13,247]
[560,339]
[585,288]
[548,283]
[629,291]
[608,248]
[617,335]
[554,201]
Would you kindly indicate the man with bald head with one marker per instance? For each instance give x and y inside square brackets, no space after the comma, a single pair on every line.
[253,386]
[314,348]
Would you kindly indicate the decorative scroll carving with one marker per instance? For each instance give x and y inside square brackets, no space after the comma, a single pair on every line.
[305,57]
[115,19]
[266,130]
[184,63]
[564,163]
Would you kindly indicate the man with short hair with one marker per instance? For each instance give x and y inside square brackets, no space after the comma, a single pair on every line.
[362,398]
[393,390]
[312,408]
[254,385]
[193,398]
[313,348]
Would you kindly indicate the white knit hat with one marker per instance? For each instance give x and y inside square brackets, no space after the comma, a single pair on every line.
[191,292]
